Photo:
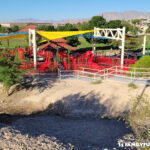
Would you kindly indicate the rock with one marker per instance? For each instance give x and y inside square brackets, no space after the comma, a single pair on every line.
[13,88]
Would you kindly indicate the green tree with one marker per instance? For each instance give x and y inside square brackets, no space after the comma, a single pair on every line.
[15,28]
[136,21]
[130,28]
[115,44]
[114,24]
[148,30]
[84,26]
[47,27]
[97,21]
[2,29]
[10,73]
[61,28]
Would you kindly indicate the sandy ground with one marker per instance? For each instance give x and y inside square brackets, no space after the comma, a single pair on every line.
[71,113]
[74,98]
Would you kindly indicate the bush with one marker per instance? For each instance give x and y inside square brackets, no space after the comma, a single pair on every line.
[139,118]
[143,62]
[132,85]
[97,82]
[132,45]
[10,73]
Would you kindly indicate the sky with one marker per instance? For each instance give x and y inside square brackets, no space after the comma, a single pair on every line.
[11,10]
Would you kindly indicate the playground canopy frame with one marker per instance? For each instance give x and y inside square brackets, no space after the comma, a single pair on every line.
[115,34]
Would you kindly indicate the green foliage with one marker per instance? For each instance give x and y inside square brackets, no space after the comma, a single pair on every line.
[86,45]
[144,66]
[4,29]
[132,85]
[132,44]
[73,41]
[148,30]
[143,62]
[100,22]
[84,26]
[61,28]
[114,24]
[8,30]
[13,43]
[148,47]
[15,28]
[97,21]
[130,28]
[97,82]
[139,118]
[9,72]
[47,28]
[136,21]
[115,44]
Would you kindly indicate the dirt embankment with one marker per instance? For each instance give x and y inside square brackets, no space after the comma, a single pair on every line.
[73,98]
[77,103]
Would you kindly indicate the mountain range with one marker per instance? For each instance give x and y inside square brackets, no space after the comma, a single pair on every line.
[126,15]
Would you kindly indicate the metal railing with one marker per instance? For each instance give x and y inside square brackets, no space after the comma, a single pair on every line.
[80,74]
[113,73]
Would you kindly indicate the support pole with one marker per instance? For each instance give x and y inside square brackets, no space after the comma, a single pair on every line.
[123,46]
[94,43]
[68,57]
[144,45]
[94,46]
[32,40]
[57,54]
[34,49]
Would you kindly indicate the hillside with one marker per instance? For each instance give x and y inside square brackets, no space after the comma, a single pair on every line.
[126,15]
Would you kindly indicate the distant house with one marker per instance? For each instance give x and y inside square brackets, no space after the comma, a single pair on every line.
[60,43]
[6,25]
[27,28]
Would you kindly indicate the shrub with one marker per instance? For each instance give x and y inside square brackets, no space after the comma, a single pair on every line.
[97,82]
[132,85]
[143,62]
[10,73]
[139,118]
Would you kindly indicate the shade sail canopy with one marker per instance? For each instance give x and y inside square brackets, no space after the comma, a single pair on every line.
[13,36]
[62,34]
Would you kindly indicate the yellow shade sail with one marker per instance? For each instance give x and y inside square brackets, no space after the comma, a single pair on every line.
[57,35]
[43,40]
[7,37]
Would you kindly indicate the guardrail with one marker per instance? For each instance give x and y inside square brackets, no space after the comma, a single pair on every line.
[115,72]
[80,74]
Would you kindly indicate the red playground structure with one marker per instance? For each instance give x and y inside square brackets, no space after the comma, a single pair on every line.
[50,61]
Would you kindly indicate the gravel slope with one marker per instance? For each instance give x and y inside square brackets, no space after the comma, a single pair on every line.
[57,133]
